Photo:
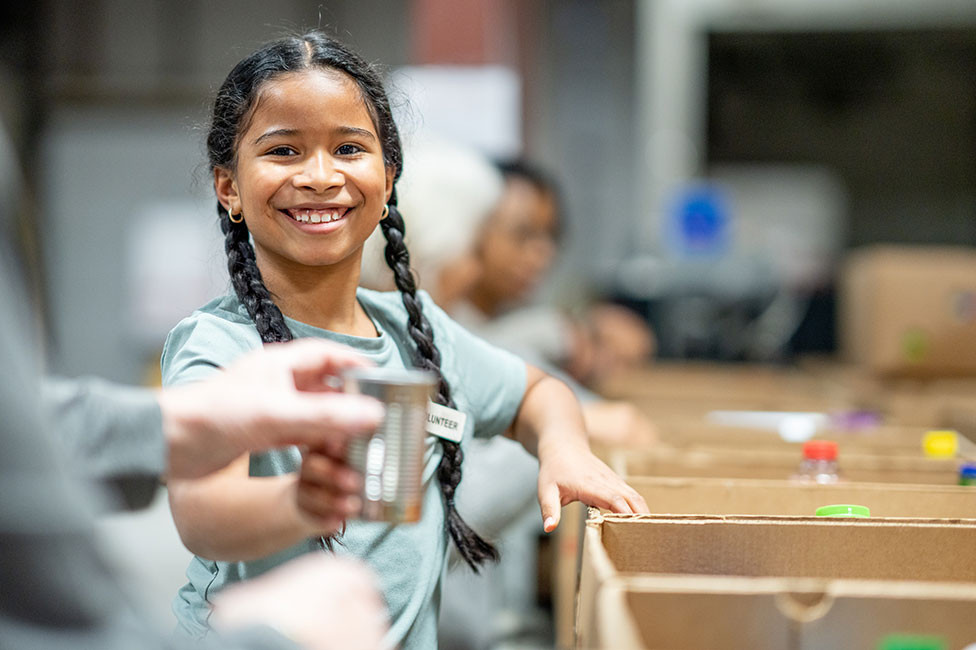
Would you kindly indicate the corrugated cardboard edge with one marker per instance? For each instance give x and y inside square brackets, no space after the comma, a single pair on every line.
[604,620]
[595,569]
[599,518]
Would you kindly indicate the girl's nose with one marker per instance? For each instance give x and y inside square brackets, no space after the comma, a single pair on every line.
[318,173]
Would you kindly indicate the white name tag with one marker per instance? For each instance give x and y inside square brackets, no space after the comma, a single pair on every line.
[445,422]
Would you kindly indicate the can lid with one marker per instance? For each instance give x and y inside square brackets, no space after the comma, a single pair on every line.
[967,470]
[820,449]
[912,642]
[843,510]
[390,375]
[940,444]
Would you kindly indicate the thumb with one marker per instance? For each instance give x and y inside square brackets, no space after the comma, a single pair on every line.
[549,504]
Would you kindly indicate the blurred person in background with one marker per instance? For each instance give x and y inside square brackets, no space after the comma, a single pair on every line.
[516,246]
[72,448]
[447,193]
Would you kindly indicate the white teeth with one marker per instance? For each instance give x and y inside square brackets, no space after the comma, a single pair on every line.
[314,216]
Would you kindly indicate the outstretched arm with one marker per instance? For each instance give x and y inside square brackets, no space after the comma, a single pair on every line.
[549,424]
[281,396]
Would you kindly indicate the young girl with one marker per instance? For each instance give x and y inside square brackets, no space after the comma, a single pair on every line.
[305,157]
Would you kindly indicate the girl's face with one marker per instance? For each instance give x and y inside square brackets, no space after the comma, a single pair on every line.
[310,178]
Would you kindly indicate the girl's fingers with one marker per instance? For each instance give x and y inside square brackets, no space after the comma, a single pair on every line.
[549,503]
[320,470]
[637,502]
[325,505]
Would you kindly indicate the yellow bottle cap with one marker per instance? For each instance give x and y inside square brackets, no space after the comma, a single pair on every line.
[940,444]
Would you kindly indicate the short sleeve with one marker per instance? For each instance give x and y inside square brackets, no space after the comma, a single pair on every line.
[488,382]
[201,344]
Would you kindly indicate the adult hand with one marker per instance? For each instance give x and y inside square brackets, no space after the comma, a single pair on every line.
[319,601]
[282,394]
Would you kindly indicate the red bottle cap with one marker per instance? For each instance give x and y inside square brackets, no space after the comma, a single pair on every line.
[820,450]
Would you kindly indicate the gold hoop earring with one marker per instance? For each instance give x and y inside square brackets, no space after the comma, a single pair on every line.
[239,215]
[386,212]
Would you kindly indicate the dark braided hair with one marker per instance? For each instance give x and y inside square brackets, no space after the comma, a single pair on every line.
[231,111]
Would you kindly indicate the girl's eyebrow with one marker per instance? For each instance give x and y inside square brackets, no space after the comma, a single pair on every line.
[273,134]
[355,130]
[342,130]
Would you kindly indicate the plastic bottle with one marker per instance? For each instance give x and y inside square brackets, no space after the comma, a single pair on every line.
[967,474]
[844,510]
[819,464]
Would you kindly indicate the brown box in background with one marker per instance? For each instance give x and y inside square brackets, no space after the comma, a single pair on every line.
[776,464]
[715,496]
[773,582]
[911,311]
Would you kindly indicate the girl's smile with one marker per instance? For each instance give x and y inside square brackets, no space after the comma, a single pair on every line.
[316,214]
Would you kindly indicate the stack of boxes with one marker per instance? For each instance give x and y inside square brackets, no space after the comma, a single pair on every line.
[733,555]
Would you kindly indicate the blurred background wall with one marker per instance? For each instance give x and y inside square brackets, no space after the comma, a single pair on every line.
[718,157]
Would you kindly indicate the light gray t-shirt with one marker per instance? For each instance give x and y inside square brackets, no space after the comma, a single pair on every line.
[487,383]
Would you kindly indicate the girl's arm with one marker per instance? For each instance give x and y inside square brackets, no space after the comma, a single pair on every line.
[231,516]
[549,424]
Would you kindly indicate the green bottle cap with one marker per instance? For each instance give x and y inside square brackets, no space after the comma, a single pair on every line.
[843,510]
[910,642]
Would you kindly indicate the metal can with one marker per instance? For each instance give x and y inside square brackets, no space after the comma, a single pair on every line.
[391,460]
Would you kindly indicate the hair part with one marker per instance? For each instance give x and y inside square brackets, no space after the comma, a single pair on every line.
[232,109]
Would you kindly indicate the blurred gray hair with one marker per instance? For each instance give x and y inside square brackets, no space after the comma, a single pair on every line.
[445,194]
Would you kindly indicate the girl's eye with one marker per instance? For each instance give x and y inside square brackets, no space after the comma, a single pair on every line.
[281,151]
[348,149]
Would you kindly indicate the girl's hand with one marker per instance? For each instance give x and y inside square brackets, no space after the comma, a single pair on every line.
[328,489]
[573,473]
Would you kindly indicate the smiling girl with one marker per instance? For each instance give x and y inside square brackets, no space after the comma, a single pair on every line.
[305,158]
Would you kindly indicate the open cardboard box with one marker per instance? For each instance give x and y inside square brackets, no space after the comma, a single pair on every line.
[776,464]
[689,433]
[773,582]
[717,496]
[710,613]
[723,382]
[722,496]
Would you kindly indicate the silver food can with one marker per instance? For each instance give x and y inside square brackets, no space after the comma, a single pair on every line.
[392,459]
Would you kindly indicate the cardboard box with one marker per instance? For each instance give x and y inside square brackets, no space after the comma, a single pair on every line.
[773,582]
[756,497]
[690,390]
[909,310]
[775,464]
[766,497]
[868,439]
[697,613]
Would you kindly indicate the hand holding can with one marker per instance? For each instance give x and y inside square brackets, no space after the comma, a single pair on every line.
[391,460]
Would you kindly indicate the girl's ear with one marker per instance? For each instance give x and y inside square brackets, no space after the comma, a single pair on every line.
[226,189]
[390,173]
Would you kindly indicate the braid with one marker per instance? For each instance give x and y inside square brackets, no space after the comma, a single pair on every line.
[473,548]
[248,285]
